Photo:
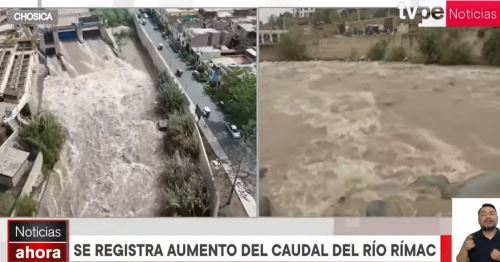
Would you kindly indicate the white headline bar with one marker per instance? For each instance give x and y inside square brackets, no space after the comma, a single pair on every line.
[255,248]
[19,3]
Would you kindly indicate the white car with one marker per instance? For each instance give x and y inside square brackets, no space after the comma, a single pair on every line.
[233,131]
[145,15]
[206,111]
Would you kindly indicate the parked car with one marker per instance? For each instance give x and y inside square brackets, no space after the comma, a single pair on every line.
[199,76]
[206,111]
[178,73]
[143,22]
[145,15]
[139,16]
[160,46]
[233,131]
[164,35]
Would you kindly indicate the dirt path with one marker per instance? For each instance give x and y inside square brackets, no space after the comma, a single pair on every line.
[337,132]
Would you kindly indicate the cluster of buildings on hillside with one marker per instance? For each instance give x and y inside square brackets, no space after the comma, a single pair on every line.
[385,24]
[219,39]
[18,57]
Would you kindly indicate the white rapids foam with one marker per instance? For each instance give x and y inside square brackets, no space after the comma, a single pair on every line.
[112,158]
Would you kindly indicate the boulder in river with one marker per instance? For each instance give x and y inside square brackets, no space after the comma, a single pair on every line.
[376,208]
[431,185]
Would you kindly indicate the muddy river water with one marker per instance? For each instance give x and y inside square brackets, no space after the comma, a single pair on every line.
[336,135]
[113,156]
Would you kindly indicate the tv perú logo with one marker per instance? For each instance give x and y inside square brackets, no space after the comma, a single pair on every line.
[431,16]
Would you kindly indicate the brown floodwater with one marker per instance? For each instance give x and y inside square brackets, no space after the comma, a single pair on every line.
[351,132]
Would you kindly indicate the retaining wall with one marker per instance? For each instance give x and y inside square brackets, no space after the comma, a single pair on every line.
[35,172]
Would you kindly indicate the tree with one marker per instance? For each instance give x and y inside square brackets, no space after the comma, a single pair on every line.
[249,131]
[285,20]
[272,21]
[334,16]
[321,15]
[239,94]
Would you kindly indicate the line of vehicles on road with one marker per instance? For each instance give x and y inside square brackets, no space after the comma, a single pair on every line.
[231,129]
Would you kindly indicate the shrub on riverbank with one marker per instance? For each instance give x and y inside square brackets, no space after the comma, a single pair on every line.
[377,51]
[443,48]
[6,204]
[45,134]
[25,207]
[455,53]
[491,49]
[429,44]
[395,53]
[185,193]
[180,136]
[291,48]
[172,100]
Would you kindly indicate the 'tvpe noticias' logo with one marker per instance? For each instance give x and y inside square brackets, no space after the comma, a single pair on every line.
[37,240]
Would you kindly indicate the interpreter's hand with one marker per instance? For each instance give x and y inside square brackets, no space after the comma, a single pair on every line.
[495,254]
[469,243]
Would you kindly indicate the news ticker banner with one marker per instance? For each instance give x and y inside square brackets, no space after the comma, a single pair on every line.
[257,239]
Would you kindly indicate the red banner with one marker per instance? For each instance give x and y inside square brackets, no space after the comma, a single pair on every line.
[29,252]
[473,13]
[446,249]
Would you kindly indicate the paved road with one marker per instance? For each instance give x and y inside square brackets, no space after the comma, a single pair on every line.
[234,149]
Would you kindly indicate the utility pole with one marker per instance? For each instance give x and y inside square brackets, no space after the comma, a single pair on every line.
[234,182]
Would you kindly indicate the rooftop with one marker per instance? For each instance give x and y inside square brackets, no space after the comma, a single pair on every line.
[181,11]
[224,14]
[201,31]
[230,60]
[7,27]
[206,49]
[252,52]
[247,19]
[217,9]
[248,27]
[11,160]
